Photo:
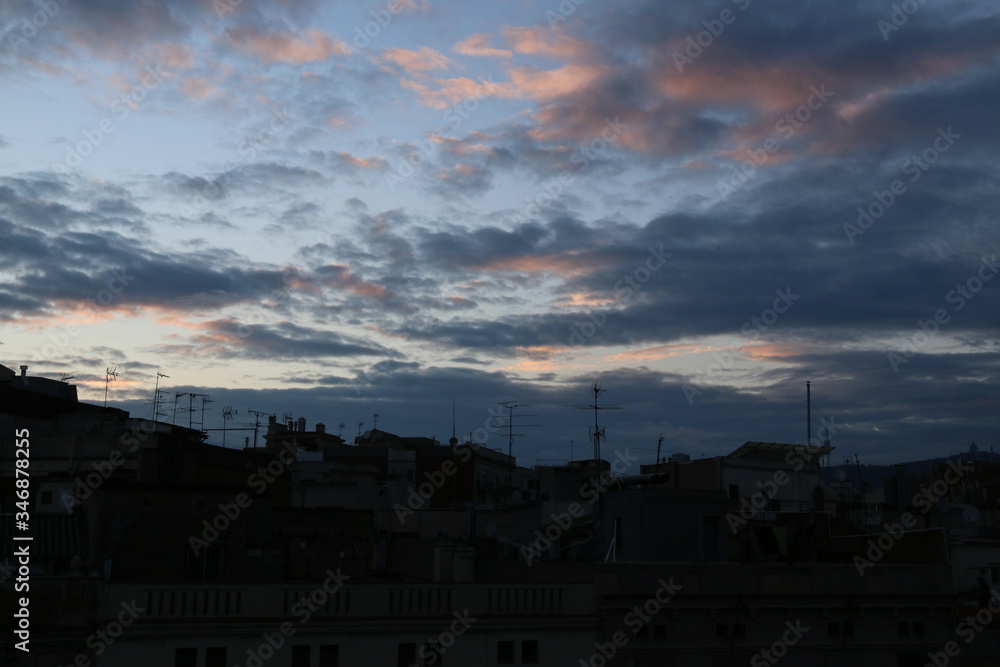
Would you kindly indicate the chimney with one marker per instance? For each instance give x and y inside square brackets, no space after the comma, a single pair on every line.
[320,427]
[302,424]
[24,370]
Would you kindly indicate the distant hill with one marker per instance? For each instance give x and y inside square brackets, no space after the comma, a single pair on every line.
[874,475]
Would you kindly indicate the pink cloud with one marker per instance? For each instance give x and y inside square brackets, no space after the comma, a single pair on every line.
[539,41]
[286,46]
[422,60]
[477,45]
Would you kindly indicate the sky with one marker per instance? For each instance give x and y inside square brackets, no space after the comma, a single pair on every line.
[333,210]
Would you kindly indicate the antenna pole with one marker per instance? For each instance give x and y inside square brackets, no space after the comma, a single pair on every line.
[256,423]
[809,430]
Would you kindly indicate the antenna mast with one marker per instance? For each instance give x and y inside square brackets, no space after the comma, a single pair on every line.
[598,432]
[227,415]
[156,395]
[510,406]
[809,430]
[109,375]
[256,422]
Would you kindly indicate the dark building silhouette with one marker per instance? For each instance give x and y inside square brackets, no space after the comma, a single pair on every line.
[151,547]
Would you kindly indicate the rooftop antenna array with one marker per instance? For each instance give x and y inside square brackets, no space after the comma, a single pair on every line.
[177,397]
[109,376]
[156,395]
[227,416]
[256,423]
[340,434]
[204,401]
[63,377]
[597,433]
[374,421]
[510,406]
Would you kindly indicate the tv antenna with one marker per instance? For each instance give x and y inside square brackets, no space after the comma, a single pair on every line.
[374,421]
[64,377]
[109,375]
[177,396]
[341,433]
[227,416]
[597,432]
[156,395]
[256,423]
[204,401]
[510,406]
[658,443]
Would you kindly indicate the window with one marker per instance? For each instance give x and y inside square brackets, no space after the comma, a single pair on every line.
[734,491]
[903,628]
[409,474]
[833,630]
[739,631]
[329,655]
[505,653]
[406,654]
[722,631]
[46,498]
[849,630]
[215,656]
[642,634]
[186,657]
[659,632]
[918,629]
[300,656]
[529,651]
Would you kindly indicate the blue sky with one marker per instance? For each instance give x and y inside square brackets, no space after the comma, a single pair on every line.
[698,205]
